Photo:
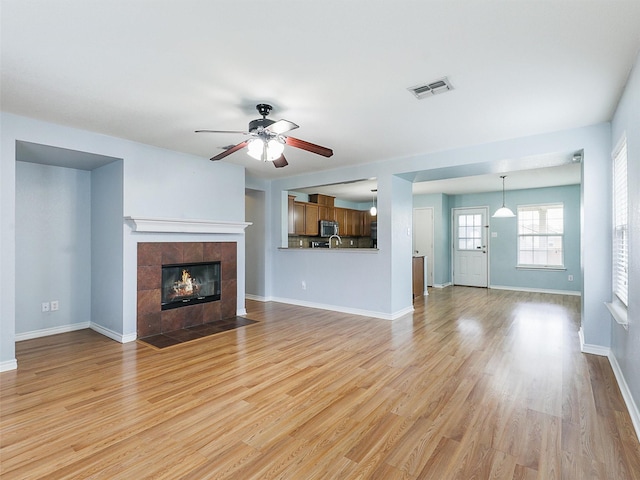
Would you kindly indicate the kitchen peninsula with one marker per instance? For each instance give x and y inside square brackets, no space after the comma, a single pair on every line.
[318,223]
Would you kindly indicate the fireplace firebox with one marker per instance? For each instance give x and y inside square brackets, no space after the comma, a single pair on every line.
[190,283]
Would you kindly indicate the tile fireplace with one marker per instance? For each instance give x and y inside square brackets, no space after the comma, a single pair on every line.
[187,260]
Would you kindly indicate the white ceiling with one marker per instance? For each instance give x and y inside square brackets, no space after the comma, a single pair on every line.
[155,71]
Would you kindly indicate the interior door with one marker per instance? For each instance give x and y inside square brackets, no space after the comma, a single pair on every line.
[470,254]
[423,238]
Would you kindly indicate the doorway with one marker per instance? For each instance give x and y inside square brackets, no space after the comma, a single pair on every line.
[423,233]
[470,246]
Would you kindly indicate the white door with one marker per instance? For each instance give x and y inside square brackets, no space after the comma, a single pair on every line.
[470,264]
[423,239]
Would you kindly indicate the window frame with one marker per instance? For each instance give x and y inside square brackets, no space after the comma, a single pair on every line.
[620,224]
[538,266]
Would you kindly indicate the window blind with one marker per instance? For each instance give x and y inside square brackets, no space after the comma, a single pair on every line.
[620,224]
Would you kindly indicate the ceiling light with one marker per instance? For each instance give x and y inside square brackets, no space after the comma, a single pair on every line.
[267,152]
[373,210]
[503,212]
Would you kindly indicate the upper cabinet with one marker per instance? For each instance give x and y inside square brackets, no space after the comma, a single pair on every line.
[304,217]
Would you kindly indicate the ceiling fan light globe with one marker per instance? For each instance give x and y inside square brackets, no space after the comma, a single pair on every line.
[255,148]
[274,149]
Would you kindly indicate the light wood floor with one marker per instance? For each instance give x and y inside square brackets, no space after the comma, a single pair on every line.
[476,384]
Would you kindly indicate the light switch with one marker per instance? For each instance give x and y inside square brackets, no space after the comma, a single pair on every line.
[494,234]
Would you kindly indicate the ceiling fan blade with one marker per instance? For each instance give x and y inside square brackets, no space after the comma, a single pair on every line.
[229,151]
[222,131]
[280,162]
[281,126]
[310,147]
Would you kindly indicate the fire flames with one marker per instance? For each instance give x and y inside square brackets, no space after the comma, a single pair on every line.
[186,286]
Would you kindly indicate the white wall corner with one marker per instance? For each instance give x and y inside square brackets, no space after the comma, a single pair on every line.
[118,337]
[592,349]
[632,406]
[8,365]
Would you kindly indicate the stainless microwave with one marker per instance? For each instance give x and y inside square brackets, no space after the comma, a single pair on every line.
[328,228]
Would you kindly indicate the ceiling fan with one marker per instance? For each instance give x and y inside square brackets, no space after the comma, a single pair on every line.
[268,140]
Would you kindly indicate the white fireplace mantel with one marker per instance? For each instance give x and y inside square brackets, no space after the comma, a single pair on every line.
[183,225]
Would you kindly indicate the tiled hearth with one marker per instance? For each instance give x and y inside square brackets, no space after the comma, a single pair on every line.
[151,319]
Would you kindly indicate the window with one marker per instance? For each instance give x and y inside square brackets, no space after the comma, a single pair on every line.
[541,236]
[620,242]
[469,232]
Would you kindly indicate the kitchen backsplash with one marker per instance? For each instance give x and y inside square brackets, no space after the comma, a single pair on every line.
[301,241]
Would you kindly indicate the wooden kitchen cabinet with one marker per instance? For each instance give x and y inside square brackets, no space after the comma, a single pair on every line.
[326,213]
[322,199]
[291,228]
[418,276]
[298,218]
[365,224]
[311,213]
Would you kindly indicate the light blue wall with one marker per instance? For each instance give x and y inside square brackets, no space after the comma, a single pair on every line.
[106,246]
[369,292]
[503,248]
[153,178]
[625,344]
[53,253]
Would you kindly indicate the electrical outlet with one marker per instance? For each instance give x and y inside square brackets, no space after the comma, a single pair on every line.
[300,242]
[571,278]
[54,305]
[45,306]
[304,285]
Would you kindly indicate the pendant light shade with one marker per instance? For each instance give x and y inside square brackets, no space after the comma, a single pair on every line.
[373,210]
[504,211]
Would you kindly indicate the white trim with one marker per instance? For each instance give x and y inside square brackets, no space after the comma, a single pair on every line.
[442,285]
[183,225]
[619,313]
[632,407]
[536,290]
[592,349]
[8,365]
[45,332]
[352,311]
[257,298]
[240,312]
[118,337]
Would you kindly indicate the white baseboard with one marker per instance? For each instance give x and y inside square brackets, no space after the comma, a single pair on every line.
[257,298]
[118,337]
[442,285]
[45,332]
[632,407]
[241,312]
[536,290]
[592,349]
[352,311]
[8,365]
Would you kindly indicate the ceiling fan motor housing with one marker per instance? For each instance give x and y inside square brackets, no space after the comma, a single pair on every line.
[260,122]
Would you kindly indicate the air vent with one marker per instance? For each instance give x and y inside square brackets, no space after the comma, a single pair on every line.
[431,89]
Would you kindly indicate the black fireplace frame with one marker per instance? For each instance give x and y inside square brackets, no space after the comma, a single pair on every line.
[184,302]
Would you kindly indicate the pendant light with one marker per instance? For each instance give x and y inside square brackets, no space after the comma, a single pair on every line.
[503,212]
[373,210]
